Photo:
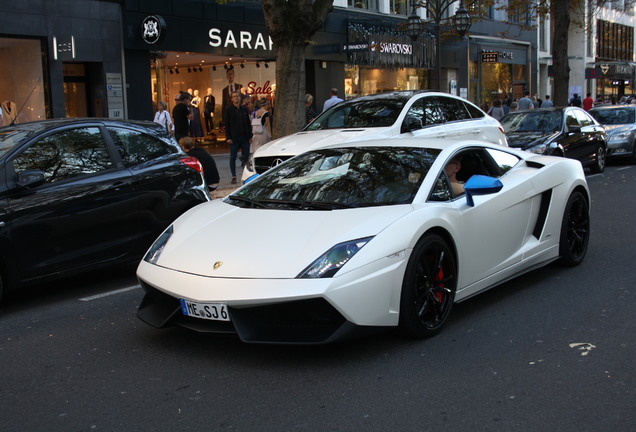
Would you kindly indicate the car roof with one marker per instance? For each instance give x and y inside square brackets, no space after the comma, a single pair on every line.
[430,143]
[41,125]
[403,95]
[609,107]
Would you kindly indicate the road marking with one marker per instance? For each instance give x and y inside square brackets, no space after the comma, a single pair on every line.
[623,168]
[110,293]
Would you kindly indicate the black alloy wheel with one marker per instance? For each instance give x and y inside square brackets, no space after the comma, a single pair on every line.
[575,230]
[599,161]
[428,289]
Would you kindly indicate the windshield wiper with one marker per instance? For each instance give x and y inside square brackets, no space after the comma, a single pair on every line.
[306,205]
[254,203]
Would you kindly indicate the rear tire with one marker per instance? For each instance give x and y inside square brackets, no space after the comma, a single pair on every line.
[575,230]
[428,289]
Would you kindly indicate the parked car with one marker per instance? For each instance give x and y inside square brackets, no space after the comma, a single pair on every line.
[569,132]
[365,235]
[77,194]
[401,114]
[620,125]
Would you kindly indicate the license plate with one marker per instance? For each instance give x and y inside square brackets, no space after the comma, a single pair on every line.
[209,311]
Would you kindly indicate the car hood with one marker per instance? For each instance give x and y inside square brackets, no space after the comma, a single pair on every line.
[308,140]
[525,140]
[617,129]
[264,243]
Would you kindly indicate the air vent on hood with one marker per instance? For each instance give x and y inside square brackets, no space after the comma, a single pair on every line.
[533,164]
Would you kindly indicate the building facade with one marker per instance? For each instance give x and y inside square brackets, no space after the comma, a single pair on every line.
[60,59]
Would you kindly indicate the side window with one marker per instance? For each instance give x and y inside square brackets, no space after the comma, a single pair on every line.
[434,111]
[136,148]
[570,119]
[474,111]
[504,161]
[66,154]
[584,118]
[441,191]
[454,109]
[415,114]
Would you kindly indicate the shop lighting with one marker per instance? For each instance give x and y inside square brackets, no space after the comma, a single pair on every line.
[170,70]
[189,70]
[214,68]
[266,64]
[176,70]
[258,65]
[242,66]
[225,66]
[200,68]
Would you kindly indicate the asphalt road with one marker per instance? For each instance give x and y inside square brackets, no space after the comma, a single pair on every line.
[550,351]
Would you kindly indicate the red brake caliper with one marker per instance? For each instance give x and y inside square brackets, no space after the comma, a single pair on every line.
[440,277]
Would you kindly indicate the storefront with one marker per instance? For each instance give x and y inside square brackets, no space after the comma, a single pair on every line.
[382,58]
[498,69]
[58,63]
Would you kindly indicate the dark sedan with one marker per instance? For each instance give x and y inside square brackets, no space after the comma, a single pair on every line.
[569,132]
[77,194]
[620,124]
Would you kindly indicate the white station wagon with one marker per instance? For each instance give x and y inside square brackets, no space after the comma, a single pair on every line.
[400,114]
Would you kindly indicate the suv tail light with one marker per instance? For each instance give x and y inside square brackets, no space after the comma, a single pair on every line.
[192,162]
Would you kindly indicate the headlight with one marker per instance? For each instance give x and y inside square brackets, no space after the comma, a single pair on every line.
[155,250]
[538,149]
[332,260]
[623,136]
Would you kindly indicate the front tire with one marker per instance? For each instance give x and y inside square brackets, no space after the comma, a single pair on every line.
[575,230]
[599,161]
[428,289]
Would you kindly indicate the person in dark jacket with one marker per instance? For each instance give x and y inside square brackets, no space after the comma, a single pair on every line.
[210,171]
[238,132]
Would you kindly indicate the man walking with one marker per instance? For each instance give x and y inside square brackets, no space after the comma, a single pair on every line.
[333,99]
[238,132]
[525,103]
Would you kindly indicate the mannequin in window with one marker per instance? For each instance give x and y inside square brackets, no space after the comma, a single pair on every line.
[231,86]
[209,104]
[196,131]
[9,112]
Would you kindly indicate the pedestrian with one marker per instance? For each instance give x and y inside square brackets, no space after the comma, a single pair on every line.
[261,127]
[162,117]
[547,103]
[181,115]
[238,132]
[514,106]
[333,99]
[588,102]
[525,103]
[210,172]
[310,113]
[576,100]
[496,110]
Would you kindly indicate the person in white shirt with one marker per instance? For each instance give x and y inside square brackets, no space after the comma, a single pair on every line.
[333,99]
[162,117]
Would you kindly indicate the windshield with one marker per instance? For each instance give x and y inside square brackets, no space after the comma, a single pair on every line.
[614,116]
[359,113]
[533,121]
[340,178]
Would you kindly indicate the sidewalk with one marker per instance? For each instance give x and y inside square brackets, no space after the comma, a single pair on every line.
[220,151]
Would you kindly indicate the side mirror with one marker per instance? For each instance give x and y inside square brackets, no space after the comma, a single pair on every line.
[481,185]
[30,178]
[250,178]
[411,124]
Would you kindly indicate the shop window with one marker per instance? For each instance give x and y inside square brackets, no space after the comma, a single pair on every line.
[400,7]
[371,5]
[22,95]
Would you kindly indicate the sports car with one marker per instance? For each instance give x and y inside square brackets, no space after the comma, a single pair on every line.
[367,235]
